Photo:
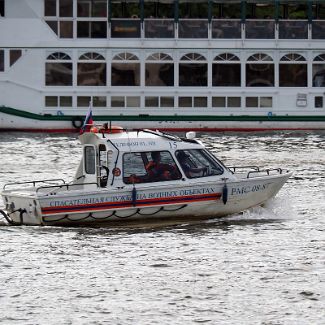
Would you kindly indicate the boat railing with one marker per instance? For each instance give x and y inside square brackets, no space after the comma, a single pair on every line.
[255,171]
[35,182]
[63,186]
[261,173]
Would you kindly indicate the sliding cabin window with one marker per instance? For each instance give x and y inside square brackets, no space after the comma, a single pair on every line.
[193,70]
[91,70]
[319,71]
[159,70]
[125,70]
[58,70]
[293,71]
[226,70]
[260,71]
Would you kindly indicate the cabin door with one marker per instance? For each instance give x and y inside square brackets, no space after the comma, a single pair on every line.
[90,164]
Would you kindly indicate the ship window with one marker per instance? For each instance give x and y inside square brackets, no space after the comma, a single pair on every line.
[145,167]
[233,101]
[251,101]
[319,71]
[152,101]
[193,9]
[93,8]
[319,101]
[83,101]
[193,71]
[51,101]
[226,71]
[117,101]
[264,9]
[97,101]
[125,9]
[293,71]
[159,73]
[66,8]
[259,102]
[89,160]
[125,72]
[260,71]
[14,56]
[185,102]
[66,29]
[133,101]
[2,8]
[166,101]
[2,60]
[65,101]
[218,101]
[91,73]
[49,8]
[226,102]
[159,9]
[200,102]
[91,29]
[58,71]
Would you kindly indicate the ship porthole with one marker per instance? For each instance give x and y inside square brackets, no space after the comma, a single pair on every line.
[77,122]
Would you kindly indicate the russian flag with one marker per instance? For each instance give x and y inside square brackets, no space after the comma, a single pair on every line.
[88,122]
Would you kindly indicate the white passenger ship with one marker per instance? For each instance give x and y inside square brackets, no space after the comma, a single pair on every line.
[171,65]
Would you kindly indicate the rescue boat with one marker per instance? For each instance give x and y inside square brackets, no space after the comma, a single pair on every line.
[140,175]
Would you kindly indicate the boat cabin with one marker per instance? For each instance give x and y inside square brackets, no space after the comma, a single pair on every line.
[143,157]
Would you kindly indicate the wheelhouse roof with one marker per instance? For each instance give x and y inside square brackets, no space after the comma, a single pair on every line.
[142,140]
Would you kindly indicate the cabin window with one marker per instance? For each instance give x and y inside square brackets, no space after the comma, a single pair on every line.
[93,8]
[159,70]
[125,70]
[226,101]
[2,60]
[90,160]
[117,101]
[125,9]
[91,70]
[226,71]
[198,163]
[152,101]
[14,56]
[167,101]
[319,101]
[145,167]
[58,70]
[159,9]
[319,71]
[58,101]
[259,102]
[293,71]
[97,101]
[2,8]
[193,71]
[260,71]
[59,15]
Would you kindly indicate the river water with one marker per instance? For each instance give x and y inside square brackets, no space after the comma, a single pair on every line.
[265,266]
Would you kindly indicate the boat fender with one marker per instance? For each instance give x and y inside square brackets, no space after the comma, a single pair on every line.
[225,194]
[77,122]
[134,196]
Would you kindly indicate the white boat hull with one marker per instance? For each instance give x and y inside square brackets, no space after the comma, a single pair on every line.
[206,200]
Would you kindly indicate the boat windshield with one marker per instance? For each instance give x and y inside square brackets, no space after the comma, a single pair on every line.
[198,163]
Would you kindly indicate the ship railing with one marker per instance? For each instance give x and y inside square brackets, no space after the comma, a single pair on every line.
[318,29]
[216,29]
[255,171]
[293,29]
[45,181]
[159,28]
